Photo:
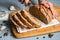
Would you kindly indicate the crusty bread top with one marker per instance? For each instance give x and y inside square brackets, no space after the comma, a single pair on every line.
[41,12]
[47,10]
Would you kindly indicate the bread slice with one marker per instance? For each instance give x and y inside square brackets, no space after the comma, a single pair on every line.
[30,19]
[18,19]
[23,19]
[42,13]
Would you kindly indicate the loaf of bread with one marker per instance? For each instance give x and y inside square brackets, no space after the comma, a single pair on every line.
[55,28]
[23,19]
[42,13]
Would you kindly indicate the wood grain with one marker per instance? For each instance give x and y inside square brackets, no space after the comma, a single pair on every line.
[55,28]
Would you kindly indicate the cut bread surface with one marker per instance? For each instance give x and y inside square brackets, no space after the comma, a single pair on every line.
[30,19]
[23,20]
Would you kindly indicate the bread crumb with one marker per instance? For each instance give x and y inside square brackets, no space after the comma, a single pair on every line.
[12,8]
[2,28]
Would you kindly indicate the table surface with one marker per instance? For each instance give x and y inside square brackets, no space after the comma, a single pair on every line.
[4,4]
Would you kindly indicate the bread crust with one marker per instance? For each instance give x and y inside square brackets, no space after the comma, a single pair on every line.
[42,13]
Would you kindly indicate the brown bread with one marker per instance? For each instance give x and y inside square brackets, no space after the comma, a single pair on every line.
[24,20]
[42,13]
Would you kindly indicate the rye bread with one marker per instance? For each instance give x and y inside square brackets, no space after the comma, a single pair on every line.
[42,13]
[30,19]
[18,19]
[23,19]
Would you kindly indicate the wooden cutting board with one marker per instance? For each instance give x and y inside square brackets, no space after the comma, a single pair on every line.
[55,28]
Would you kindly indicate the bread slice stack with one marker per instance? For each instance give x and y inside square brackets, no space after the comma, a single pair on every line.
[23,19]
[42,13]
